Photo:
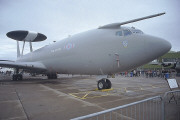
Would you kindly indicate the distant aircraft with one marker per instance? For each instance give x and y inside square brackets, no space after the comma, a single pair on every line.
[176,65]
[103,51]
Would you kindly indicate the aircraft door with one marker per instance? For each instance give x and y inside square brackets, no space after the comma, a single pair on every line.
[116,63]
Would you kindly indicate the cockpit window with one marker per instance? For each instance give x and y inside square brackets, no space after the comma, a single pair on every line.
[127,32]
[137,31]
[119,33]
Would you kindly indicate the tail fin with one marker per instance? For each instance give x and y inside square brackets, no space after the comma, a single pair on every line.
[18,50]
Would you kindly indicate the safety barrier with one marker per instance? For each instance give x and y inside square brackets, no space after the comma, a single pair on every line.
[154,108]
[171,104]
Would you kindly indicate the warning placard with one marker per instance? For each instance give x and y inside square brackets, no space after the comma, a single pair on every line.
[172,83]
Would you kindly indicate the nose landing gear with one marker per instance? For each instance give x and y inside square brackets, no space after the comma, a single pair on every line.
[104,84]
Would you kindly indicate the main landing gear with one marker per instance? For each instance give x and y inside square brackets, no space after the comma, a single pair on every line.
[17,76]
[104,84]
[52,76]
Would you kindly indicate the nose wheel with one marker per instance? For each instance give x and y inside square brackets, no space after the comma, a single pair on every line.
[104,84]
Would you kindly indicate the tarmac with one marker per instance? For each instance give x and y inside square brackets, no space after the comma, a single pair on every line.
[37,98]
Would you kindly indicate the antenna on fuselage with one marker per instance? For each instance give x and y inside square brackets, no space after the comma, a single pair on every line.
[25,36]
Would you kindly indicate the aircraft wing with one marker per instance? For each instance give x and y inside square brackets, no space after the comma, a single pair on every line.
[22,65]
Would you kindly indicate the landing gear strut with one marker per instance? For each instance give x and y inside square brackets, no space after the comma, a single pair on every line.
[52,76]
[17,76]
[104,84]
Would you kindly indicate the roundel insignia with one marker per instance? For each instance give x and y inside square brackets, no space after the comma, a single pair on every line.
[69,46]
[125,43]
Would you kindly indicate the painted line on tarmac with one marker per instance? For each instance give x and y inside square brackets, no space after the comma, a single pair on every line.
[130,98]
[66,95]
[106,91]
[95,96]
[4,101]
[16,118]
[71,97]
[86,96]
[1,92]
[89,92]
[20,102]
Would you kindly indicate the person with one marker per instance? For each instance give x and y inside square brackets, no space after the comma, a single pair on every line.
[158,73]
[149,73]
[146,73]
[162,73]
[126,74]
[134,72]
[140,72]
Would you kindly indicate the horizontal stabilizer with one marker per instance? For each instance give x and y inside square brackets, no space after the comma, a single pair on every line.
[29,36]
[117,25]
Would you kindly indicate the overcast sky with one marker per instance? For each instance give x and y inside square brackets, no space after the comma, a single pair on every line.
[59,18]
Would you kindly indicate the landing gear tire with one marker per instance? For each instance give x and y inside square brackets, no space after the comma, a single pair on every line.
[101,84]
[52,76]
[17,77]
[104,84]
[14,77]
[108,82]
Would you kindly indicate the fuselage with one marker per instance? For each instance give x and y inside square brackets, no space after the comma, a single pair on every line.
[99,51]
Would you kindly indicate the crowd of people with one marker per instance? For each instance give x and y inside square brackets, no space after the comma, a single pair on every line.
[6,72]
[148,73]
[133,73]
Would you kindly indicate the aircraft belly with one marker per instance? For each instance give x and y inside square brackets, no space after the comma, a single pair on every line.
[111,57]
[95,52]
[92,61]
[71,65]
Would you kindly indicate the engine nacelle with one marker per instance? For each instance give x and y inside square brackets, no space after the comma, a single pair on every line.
[29,36]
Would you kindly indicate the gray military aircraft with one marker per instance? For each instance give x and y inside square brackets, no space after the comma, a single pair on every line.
[176,65]
[103,51]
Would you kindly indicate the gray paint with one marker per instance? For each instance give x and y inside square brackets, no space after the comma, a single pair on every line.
[99,51]
[94,52]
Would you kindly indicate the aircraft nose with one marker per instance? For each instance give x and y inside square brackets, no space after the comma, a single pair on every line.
[157,46]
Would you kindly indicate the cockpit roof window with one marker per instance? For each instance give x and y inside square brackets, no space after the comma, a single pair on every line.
[135,31]
[127,32]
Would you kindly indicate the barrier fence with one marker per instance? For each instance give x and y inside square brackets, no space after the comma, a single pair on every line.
[171,103]
[154,108]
